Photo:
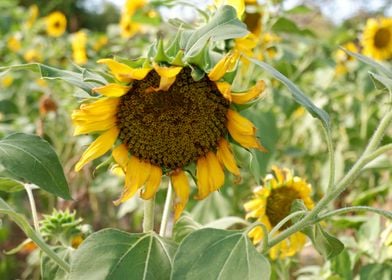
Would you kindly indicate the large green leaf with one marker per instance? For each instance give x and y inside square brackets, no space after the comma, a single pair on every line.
[80,80]
[297,94]
[223,25]
[219,254]
[33,159]
[114,254]
[326,244]
[10,185]
[379,271]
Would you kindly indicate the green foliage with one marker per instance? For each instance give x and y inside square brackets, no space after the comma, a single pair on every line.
[34,160]
[118,254]
[219,254]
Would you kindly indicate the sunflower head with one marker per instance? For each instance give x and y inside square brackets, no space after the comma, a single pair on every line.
[377,38]
[272,203]
[32,15]
[56,24]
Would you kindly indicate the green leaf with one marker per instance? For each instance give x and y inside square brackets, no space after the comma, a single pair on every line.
[379,271]
[297,94]
[288,26]
[10,185]
[51,73]
[326,244]
[184,226]
[219,254]
[341,265]
[301,9]
[226,222]
[114,254]
[50,270]
[223,25]
[33,159]
[367,60]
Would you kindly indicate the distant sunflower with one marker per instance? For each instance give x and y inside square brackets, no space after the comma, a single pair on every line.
[377,38]
[272,203]
[161,120]
[56,24]
[128,27]
[33,14]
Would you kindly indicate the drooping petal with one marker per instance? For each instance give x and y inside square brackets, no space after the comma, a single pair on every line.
[202,174]
[242,130]
[226,157]
[182,189]
[168,76]
[123,72]
[136,175]
[216,174]
[99,147]
[224,88]
[112,90]
[152,183]
[88,126]
[103,106]
[120,155]
[224,65]
[252,93]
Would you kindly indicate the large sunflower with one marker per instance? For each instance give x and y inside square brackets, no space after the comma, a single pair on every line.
[272,203]
[160,120]
[377,38]
[56,24]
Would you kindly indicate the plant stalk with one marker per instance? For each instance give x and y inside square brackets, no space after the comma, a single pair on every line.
[29,190]
[166,209]
[148,218]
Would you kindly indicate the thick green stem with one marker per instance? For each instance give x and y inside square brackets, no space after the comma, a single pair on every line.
[354,172]
[166,209]
[148,218]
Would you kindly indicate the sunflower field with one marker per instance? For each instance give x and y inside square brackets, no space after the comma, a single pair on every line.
[187,140]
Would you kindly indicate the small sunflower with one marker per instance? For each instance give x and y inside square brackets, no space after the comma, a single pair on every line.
[377,38]
[160,121]
[32,55]
[128,27]
[56,24]
[14,43]
[272,203]
[79,41]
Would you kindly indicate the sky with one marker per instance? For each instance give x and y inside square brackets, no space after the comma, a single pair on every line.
[336,10]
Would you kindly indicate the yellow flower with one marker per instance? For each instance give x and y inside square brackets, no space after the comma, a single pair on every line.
[56,24]
[272,203]
[158,120]
[13,43]
[377,38]
[33,14]
[100,42]
[131,6]
[79,41]
[7,81]
[128,27]
[342,56]
[32,55]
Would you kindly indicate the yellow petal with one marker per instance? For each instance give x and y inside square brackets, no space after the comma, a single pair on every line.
[182,189]
[242,130]
[202,174]
[99,107]
[238,5]
[123,72]
[88,126]
[224,65]
[152,183]
[167,72]
[245,97]
[117,170]
[136,175]
[224,88]
[99,147]
[120,155]
[226,157]
[112,90]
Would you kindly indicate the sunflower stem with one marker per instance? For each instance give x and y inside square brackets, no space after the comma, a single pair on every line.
[148,218]
[370,153]
[29,190]
[166,210]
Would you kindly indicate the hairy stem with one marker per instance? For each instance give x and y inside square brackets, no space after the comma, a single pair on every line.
[166,210]
[29,190]
[148,218]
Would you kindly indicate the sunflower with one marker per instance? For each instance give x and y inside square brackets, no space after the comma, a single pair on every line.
[128,27]
[14,43]
[56,24]
[272,203]
[32,55]
[377,38]
[33,14]
[79,41]
[160,121]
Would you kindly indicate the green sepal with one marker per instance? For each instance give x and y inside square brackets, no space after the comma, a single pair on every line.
[160,55]
[177,60]
[136,63]
[174,47]
[197,73]
[202,59]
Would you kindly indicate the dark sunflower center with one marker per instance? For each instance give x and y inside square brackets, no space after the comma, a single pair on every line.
[252,21]
[56,24]
[175,127]
[382,38]
[279,205]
